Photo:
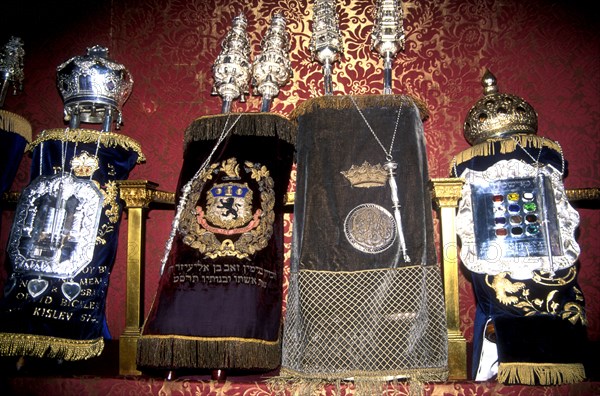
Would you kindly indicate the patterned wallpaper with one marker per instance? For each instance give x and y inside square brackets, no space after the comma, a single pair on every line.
[546,51]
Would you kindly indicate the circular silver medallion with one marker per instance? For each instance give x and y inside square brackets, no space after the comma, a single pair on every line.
[370,228]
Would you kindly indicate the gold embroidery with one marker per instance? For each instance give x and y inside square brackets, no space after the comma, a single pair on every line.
[110,193]
[520,297]
[231,168]
[503,287]
[366,175]
[225,212]
[110,199]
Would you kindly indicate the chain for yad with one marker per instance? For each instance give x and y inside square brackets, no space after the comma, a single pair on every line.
[185,191]
[388,153]
[390,166]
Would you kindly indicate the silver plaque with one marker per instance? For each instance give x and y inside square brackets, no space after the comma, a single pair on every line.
[370,228]
[55,226]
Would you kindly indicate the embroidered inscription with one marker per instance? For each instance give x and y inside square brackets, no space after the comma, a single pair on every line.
[223,273]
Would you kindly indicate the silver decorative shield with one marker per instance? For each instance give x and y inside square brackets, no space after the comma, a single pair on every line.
[55,226]
[516,218]
[370,228]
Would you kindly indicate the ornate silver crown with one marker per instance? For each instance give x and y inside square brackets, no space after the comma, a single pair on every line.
[498,114]
[94,88]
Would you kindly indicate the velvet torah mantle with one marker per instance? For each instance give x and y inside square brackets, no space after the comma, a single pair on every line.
[63,243]
[218,304]
[359,307]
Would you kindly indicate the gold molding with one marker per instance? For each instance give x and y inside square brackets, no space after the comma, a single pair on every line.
[138,195]
[583,194]
[446,194]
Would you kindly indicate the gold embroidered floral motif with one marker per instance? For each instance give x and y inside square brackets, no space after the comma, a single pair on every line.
[503,287]
[110,193]
[517,295]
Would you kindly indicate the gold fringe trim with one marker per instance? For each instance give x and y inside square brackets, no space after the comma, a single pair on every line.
[14,123]
[107,139]
[540,373]
[13,344]
[205,352]
[250,124]
[363,101]
[365,383]
[507,145]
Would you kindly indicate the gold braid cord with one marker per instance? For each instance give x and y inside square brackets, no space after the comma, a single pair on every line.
[14,344]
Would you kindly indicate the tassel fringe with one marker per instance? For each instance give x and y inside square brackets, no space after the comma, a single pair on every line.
[107,139]
[202,352]
[363,101]
[540,373]
[405,382]
[250,124]
[14,123]
[12,344]
[507,145]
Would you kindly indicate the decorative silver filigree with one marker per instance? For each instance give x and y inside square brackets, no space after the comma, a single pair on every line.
[11,67]
[503,254]
[55,226]
[388,36]
[326,44]
[370,228]
[271,69]
[94,88]
[231,70]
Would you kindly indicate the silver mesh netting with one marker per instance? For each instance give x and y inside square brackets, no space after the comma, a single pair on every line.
[372,323]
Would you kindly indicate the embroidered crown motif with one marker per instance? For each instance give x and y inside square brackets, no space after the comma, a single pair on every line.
[84,165]
[366,175]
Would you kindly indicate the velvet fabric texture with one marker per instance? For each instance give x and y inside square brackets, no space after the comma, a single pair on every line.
[333,137]
[357,307]
[12,146]
[67,321]
[538,323]
[219,299]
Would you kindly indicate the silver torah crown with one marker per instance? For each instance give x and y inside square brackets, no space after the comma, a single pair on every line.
[271,69]
[11,67]
[94,88]
[231,70]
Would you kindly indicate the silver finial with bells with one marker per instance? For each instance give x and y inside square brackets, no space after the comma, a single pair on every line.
[231,70]
[388,37]
[11,67]
[271,69]
[94,89]
[326,42]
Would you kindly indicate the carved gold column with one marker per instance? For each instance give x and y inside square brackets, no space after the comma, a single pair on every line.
[137,195]
[446,193]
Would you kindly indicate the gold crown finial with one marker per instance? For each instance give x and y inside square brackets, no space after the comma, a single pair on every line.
[498,114]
